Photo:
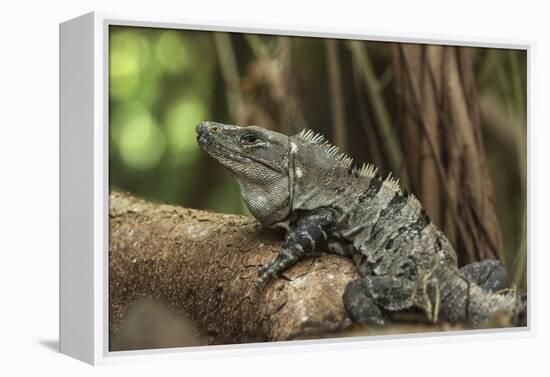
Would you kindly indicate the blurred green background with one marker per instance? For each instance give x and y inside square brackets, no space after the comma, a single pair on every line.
[163,82]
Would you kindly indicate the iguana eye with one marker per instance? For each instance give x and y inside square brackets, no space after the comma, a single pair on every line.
[249,139]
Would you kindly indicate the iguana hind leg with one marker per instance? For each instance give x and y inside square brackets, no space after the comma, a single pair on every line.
[364,298]
[300,240]
[488,274]
[360,306]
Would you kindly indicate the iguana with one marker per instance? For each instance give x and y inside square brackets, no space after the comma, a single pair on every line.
[305,185]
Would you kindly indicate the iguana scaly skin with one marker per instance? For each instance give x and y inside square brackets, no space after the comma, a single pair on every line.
[302,183]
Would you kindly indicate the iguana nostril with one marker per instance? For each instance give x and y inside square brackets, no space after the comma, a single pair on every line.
[201,128]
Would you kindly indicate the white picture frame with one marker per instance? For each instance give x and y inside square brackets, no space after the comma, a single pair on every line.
[84,191]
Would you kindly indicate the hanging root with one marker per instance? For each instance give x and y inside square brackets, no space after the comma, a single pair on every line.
[468,293]
[424,284]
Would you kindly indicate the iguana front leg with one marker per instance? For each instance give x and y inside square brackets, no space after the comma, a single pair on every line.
[301,239]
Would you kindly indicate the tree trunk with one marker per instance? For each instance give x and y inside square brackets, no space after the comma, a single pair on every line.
[441,136]
[204,265]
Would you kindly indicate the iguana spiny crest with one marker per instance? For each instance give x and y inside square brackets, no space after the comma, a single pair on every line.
[306,185]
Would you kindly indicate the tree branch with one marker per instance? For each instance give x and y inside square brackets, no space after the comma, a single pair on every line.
[204,265]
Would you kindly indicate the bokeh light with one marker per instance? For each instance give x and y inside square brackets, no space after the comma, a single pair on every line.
[171,52]
[181,119]
[128,58]
[141,142]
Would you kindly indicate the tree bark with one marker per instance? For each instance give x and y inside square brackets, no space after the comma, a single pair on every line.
[204,265]
[441,136]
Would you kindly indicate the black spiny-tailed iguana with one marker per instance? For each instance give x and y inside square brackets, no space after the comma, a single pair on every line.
[302,183]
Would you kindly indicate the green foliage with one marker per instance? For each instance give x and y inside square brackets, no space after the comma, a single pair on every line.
[503,76]
[160,85]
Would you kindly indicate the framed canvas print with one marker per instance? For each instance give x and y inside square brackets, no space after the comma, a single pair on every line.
[229,189]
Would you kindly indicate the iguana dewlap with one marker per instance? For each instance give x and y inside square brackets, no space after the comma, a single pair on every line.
[302,183]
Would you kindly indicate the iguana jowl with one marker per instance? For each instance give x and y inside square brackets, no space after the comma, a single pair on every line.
[302,183]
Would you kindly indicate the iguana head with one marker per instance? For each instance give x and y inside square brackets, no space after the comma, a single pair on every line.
[258,159]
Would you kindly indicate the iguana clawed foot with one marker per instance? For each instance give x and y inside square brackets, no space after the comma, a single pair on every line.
[360,307]
[265,275]
[263,269]
[365,298]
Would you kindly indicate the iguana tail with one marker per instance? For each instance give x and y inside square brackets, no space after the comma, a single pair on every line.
[444,292]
